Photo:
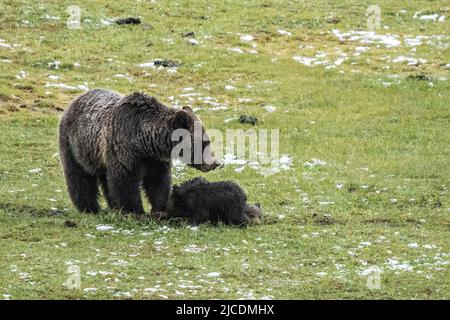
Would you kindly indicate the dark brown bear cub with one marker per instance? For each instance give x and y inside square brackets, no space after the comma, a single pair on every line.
[121,143]
[199,201]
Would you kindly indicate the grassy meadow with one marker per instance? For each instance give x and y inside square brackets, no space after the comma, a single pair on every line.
[364,127]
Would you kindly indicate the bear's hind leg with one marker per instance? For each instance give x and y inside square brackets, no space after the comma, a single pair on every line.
[82,187]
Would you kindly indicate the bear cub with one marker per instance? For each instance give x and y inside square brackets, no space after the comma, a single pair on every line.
[199,201]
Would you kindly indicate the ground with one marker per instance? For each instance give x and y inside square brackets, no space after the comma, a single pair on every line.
[363,192]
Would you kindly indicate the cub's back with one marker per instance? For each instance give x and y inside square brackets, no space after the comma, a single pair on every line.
[213,194]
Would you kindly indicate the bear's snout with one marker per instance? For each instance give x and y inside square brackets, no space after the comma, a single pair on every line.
[209,167]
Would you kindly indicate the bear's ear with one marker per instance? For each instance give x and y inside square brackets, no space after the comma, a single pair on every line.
[187,108]
[182,119]
[258,205]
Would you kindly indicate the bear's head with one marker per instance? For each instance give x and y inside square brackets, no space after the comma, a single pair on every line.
[191,143]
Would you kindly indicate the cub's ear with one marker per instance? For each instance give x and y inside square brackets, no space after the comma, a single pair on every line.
[182,119]
[258,205]
[187,108]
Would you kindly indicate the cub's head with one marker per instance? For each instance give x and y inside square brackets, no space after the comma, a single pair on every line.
[253,214]
[191,144]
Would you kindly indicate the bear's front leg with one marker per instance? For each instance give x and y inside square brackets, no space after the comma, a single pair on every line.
[157,184]
[123,189]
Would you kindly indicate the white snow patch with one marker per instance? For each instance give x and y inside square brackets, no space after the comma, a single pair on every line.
[214,274]
[394,264]
[284,32]
[238,50]
[229,87]
[370,270]
[231,159]
[428,17]
[314,163]
[192,42]
[368,37]
[270,108]
[66,86]
[246,37]
[409,60]
[192,248]
[102,227]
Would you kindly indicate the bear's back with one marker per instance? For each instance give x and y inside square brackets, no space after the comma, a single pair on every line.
[95,100]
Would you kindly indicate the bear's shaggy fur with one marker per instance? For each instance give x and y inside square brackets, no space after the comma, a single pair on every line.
[122,142]
[199,201]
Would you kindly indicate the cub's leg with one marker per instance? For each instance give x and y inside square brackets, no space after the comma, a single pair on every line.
[157,184]
[82,187]
[123,188]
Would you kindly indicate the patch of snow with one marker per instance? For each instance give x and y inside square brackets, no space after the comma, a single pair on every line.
[395,265]
[409,60]
[192,42]
[192,248]
[368,37]
[284,32]
[246,37]
[231,159]
[238,50]
[214,274]
[101,227]
[68,87]
[314,163]
[106,22]
[304,60]
[365,244]
[370,270]
[229,87]
[270,108]
[49,17]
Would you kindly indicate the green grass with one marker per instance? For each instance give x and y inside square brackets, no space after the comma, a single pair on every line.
[387,144]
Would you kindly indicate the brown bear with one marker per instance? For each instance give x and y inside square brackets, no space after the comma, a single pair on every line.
[121,143]
[199,201]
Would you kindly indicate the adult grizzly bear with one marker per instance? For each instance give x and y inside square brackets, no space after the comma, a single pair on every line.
[123,142]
